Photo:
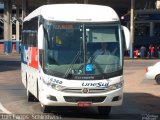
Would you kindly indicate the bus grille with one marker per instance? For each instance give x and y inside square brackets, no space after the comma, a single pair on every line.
[84,99]
[91,90]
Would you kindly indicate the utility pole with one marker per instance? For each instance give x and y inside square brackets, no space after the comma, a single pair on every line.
[24,8]
[85,1]
[7,26]
[132,26]
[48,2]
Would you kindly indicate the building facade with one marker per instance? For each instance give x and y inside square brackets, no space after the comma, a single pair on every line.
[12,13]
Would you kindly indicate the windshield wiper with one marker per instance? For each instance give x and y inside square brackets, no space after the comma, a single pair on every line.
[72,64]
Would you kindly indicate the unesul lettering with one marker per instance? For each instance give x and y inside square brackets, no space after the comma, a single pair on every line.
[99,84]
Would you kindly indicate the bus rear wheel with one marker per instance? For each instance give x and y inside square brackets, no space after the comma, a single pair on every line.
[30,97]
[104,110]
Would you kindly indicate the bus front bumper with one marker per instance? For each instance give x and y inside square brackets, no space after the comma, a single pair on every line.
[51,97]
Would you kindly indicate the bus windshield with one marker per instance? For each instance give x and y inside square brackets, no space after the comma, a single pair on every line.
[76,49]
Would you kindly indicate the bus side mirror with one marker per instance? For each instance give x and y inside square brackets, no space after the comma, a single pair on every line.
[127,37]
[41,37]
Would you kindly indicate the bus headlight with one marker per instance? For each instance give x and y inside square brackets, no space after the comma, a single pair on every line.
[57,87]
[115,86]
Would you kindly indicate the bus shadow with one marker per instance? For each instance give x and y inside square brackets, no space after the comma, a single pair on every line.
[134,107]
[9,65]
[86,114]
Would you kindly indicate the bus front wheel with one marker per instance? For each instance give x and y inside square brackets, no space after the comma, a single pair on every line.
[45,109]
[104,110]
[158,79]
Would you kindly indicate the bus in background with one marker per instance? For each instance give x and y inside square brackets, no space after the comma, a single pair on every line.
[58,61]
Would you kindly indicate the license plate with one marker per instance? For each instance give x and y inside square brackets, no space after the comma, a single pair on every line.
[84,104]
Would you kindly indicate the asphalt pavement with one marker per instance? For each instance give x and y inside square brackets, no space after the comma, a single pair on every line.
[141,96]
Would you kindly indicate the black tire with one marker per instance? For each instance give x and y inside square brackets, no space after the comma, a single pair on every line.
[45,109]
[104,110]
[158,79]
[30,97]
[37,99]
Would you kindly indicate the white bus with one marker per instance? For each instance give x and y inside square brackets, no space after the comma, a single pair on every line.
[61,58]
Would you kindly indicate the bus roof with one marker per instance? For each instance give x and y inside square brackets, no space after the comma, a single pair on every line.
[75,13]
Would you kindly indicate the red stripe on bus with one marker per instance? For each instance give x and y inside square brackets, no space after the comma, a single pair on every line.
[33,62]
